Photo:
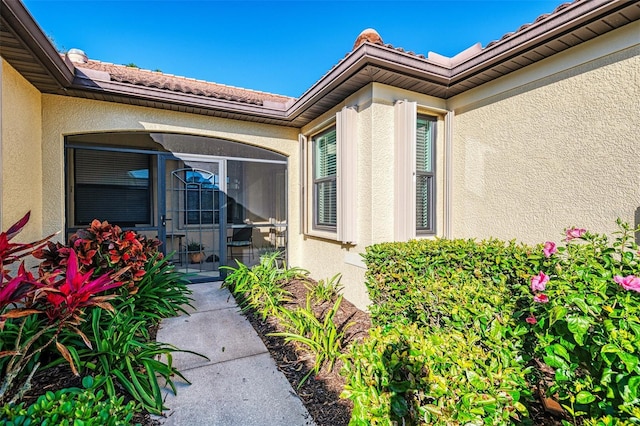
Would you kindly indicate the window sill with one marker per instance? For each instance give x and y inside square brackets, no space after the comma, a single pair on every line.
[326,235]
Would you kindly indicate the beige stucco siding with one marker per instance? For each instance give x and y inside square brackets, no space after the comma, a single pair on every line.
[558,151]
[63,116]
[21,157]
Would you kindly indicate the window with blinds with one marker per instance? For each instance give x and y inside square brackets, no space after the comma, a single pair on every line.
[425,176]
[324,179]
[112,186]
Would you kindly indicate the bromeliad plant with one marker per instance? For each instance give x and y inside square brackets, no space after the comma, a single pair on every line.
[104,247]
[40,308]
[585,315]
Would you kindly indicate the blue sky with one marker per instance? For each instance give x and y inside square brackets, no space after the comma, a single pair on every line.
[274,46]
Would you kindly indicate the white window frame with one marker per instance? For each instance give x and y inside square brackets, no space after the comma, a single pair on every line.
[345,230]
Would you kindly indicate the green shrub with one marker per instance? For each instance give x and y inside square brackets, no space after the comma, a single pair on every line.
[417,281]
[584,310]
[71,406]
[408,375]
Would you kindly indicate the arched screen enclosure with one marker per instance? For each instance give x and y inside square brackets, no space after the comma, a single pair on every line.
[210,201]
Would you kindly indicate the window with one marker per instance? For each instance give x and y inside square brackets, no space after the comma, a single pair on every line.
[425,142]
[202,192]
[112,186]
[325,168]
[414,172]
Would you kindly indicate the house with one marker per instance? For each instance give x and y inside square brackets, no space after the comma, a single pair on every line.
[521,138]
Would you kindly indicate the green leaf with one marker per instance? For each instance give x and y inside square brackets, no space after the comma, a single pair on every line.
[630,361]
[560,350]
[585,397]
[630,391]
[557,313]
[579,327]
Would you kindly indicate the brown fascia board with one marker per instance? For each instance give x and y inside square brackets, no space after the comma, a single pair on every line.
[562,22]
[125,90]
[28,31]
[368,54]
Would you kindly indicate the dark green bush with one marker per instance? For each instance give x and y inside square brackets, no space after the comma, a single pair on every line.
[418,281]
[408,375]
[71,406]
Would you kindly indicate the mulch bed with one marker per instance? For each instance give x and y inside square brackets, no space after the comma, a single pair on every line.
[320,394]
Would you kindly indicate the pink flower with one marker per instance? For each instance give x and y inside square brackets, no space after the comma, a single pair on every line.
[549,248]
[575,233]
[531,319]
[541,298]
[538,282]
[629,282]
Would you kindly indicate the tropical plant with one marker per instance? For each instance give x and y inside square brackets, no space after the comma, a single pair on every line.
[320,336]
[325,290]
[124,354]
[56,299]
[584,310]
[104,247]
[261,287]
[161,293]
[72,406]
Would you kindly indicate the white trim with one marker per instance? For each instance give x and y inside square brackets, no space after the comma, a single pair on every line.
[406,116]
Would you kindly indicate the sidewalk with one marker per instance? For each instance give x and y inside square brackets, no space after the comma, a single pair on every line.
[240,384]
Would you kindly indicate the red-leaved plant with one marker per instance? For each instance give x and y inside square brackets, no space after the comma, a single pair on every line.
[104,247]
[56,297]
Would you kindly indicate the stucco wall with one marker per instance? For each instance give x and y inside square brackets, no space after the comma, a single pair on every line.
[559,148]
[21,153]
[64,116]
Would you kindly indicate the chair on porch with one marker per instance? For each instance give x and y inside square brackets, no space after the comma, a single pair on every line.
[241,237]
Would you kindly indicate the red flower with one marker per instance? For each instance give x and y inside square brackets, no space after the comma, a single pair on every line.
[531,319]
[541,298]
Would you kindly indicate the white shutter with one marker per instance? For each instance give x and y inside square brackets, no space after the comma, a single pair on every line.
[405,170]
[347,135]
[302,142]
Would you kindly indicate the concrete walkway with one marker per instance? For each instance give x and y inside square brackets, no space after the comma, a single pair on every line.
[240,385]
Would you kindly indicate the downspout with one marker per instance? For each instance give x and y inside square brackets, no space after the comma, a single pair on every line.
[448,174]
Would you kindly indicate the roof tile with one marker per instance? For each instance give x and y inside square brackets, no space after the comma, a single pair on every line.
[158,80]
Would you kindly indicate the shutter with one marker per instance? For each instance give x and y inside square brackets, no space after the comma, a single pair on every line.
[405,170]
[347,129]
[302,142]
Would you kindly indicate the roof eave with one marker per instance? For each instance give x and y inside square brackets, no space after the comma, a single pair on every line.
[40,47]
[569,19]
[368,54]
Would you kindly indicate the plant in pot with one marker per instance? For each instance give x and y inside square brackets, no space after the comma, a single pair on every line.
[196,251]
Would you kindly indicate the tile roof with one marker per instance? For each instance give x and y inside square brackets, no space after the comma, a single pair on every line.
[522,28]
[159,80]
